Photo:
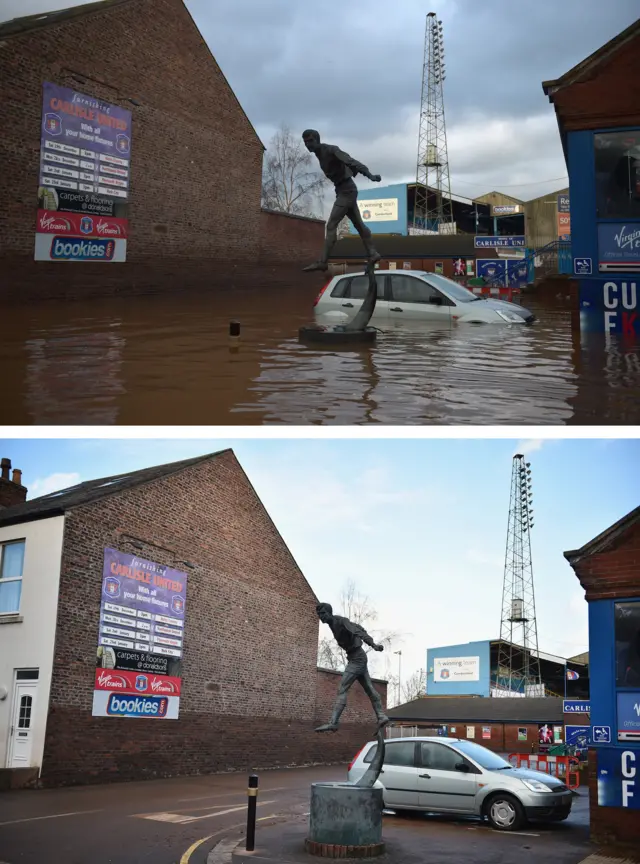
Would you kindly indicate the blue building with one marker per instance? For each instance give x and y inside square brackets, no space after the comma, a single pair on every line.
[597,106]
[609,571]
[472,669]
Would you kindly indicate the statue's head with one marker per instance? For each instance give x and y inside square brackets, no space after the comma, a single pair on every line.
[325,612]
[311,140]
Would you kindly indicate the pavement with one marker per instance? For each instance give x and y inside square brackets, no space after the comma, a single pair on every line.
[175,821]
[415,838]
[202,820]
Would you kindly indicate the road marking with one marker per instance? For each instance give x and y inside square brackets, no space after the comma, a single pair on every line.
[182,820]
[231,794]
[53,816]
[187,855]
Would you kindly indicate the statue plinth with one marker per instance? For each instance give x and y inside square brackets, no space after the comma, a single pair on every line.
[345,816]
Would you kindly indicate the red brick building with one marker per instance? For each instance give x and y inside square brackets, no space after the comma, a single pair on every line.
[251,693]
[196,160]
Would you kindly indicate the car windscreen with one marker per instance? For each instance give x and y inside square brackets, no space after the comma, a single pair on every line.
[457,292]
[485,758]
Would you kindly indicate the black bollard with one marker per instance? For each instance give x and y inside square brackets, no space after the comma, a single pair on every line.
[252,792]
[234,334]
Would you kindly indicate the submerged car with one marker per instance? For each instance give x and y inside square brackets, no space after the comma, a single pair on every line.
[413,295]
[453,775]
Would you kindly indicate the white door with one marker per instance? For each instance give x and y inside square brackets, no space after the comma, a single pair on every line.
[348,295]
[399,774]
[22,719]
[413,299]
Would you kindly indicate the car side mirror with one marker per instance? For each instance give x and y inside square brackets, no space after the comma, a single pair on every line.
[462,767]
[435,300]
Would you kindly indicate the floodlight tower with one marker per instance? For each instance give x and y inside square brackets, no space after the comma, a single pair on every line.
[518,660]
[432,207]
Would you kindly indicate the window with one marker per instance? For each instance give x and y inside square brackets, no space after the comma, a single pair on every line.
[24,712]
[356,287]
[400,753]
[626,618]
[485,758]
[11,564]
[409,289]
[459,293]
[617,163]
[440,758]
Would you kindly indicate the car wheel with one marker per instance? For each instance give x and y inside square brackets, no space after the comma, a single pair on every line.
[504,812]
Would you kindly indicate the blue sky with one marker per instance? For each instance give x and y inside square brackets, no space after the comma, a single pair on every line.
[420,525]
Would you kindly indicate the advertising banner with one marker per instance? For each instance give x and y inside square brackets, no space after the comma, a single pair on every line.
[486,732]
[492,269]
[85,160]
[471,266]
[471,731]
[610,306]
[438,268]
[522,733]
[140,641]
[576,706]
[618,247]
[505,209]
[517,273]
[497,242]
[578,736]
[459,267]
[629,716]
[564,219]
[619,777]
[379,209]
[453,669]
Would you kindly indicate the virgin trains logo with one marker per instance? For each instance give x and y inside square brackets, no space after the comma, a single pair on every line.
[108,229]
[112,682]
[54,223]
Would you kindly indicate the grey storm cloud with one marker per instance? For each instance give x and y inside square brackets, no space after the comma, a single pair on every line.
[353,70]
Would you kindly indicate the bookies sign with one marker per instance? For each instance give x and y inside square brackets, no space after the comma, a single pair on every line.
[85,159]
[619,777]
[141,636]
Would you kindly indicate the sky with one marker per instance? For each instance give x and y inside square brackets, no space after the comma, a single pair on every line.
[419,525]
[354,72]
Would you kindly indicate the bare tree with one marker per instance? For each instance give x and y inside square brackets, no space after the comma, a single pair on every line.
[289,182]
[344,228]
[356,607]
[415,686]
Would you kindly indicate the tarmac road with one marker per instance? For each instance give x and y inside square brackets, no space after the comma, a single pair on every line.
[178,821]
[154,822]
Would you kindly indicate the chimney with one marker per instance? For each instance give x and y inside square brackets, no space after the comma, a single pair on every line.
[12,491]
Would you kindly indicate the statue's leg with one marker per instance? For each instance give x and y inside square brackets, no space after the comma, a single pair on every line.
[374,696]
[356,218]
[349,677]
[338,212]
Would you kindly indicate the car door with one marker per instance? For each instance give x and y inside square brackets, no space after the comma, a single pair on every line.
[411,299]
[443,782]
[399,774]
[348,294]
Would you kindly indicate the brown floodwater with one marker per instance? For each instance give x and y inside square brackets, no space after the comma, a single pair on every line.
[166,360]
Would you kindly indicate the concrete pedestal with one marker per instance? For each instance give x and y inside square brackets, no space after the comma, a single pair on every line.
[345,819]
[336,334]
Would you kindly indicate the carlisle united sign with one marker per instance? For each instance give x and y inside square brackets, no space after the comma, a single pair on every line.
[576,706]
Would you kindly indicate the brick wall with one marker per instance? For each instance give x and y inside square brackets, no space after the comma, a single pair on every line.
[358,708]
[615,572]
[194,213]
[249,696]
[610,97]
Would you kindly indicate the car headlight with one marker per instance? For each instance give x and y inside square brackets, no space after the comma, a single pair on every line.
[536,786]
[509,317]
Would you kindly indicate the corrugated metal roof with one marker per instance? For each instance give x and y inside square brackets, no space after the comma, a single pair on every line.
[479,709]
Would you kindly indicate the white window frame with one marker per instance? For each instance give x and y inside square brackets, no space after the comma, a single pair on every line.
[3,580]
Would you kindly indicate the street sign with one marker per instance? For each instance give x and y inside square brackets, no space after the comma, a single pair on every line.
[493,242]
[601,734]
[582,266]
[576,706]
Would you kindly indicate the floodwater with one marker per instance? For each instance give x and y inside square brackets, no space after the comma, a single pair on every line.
[166,360]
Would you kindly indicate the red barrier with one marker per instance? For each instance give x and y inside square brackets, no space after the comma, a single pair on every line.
[562,767]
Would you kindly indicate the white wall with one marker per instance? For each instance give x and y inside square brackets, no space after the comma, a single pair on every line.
[30,643]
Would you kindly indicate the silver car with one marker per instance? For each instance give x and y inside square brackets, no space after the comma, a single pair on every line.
[452,775]
[414,295]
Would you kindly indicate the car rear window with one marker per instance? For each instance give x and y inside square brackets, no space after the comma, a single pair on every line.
[395,753]
[355,287]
